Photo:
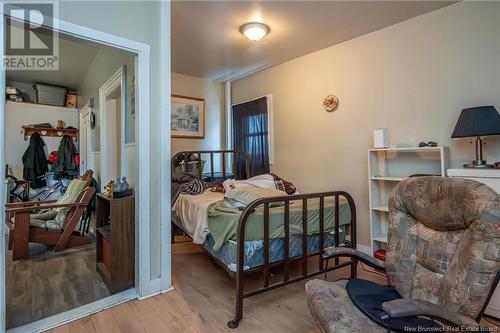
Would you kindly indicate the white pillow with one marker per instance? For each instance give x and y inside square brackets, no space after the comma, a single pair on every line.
[261,181]
[241,197]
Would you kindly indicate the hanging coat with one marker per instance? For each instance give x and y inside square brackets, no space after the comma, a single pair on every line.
[65,165]
[35,162]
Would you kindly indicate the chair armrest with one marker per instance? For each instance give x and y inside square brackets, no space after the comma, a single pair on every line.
[333,252]
[43,206]
[27,203]
[405,308]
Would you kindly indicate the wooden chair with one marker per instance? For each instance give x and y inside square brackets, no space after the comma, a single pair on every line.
[22,231]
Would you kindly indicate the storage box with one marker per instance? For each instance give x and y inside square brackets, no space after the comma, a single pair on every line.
[72,101]
[50,95]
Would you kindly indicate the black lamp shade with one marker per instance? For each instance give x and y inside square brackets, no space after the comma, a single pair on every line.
[477,121]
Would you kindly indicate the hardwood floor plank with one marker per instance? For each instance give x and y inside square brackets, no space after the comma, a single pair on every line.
[125,319]
[174,321]
[148,318]
[83,325]
[104,322]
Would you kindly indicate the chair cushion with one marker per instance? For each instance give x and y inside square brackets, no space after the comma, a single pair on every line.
[368,297]
[333,310]
[75,187]
[49,224]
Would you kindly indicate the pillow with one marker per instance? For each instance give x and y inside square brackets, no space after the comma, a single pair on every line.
[74,189]
[284,185]
[241,197]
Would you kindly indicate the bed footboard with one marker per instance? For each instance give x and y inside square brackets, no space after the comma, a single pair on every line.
[306,272]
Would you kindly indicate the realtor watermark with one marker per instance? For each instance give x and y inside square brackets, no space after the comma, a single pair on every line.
[31,37]
[451,329]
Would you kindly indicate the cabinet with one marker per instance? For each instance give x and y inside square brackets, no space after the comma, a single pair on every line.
[115,222]
[490,177]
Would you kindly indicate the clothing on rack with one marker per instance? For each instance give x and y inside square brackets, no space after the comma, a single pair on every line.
[66,164]
[35,162]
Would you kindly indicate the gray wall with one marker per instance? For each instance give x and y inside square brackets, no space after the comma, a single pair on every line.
[412,78]
[105,64]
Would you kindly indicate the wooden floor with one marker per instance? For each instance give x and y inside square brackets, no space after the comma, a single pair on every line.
[203,301]
[51,283]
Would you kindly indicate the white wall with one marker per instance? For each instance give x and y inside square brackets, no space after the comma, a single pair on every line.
[413,78]
[213,93]
[20,114]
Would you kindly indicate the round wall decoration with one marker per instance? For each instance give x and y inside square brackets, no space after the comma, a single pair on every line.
[330,103]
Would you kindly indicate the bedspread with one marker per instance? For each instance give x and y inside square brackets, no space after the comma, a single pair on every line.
[223,221]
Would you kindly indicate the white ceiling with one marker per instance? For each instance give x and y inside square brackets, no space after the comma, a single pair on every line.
[206,41]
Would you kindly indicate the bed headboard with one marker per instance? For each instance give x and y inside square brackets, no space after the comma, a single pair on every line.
[222,156]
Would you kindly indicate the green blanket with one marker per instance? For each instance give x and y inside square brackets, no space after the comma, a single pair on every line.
[223,221]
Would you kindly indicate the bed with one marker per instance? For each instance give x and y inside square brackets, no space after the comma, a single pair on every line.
[269,232]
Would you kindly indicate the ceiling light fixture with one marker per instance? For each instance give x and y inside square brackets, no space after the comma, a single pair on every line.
[254,30]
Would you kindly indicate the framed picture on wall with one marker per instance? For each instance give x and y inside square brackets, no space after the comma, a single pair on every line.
[188,117]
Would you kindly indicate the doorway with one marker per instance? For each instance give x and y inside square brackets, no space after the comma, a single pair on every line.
[140,54]
[113,113]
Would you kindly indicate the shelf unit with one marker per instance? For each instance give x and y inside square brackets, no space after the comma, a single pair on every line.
[389,166]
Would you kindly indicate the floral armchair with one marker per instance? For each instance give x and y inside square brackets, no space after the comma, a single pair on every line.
[442,260]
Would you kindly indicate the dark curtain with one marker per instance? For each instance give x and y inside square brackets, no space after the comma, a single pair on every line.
[250,136]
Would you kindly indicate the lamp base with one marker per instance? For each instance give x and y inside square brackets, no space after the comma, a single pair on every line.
[478,164]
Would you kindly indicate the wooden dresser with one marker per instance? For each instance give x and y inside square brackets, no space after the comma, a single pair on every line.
[115,222]
[490,177]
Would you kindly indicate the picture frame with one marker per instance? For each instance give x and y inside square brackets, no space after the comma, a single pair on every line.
[187,117]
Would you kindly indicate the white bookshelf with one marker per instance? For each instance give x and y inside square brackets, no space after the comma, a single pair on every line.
[389,166]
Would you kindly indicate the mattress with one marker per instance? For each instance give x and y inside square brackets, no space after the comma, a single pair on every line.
[254,250]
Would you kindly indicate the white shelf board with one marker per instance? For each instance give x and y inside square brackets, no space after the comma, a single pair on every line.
[43,106]
[409,149]
[389,178]
[380,239]
[381,209]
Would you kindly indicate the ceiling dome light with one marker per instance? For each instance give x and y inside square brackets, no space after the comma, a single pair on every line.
[254,30]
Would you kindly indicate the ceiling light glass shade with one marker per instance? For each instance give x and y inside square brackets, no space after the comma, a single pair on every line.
[254,30]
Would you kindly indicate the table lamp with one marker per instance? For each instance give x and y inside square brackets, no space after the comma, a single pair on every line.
[477,122]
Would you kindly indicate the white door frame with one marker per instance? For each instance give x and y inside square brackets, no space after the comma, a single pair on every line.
[117,80]
[145,285]
[85,114]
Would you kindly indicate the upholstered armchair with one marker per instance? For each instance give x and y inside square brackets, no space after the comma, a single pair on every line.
[442,262]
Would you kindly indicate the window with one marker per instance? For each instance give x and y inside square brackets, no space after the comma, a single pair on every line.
[251,126]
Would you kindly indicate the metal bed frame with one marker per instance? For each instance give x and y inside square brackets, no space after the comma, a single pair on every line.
[198,153]
[241,274]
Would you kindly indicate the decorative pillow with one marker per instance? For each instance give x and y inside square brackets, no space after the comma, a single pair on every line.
[75,187]
[218,188]
[284,185]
